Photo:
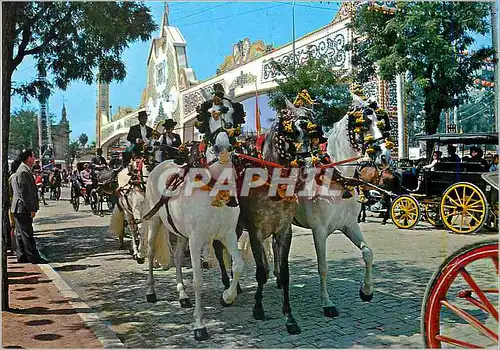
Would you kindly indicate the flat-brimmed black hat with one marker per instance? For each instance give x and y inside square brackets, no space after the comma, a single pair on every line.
[142,114]
[169,123]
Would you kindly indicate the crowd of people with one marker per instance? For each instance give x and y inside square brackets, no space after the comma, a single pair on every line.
[476,157]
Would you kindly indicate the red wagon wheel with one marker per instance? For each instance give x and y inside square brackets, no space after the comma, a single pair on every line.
[455,303]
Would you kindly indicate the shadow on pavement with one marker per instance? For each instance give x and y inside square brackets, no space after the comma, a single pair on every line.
[389,319]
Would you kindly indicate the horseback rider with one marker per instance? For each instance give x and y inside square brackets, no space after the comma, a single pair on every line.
[169,141]
[140,134]
[99,161]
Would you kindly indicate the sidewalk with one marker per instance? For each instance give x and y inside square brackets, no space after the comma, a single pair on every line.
[40,316]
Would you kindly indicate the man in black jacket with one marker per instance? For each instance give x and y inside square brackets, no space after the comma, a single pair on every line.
[140,134]
[169,141]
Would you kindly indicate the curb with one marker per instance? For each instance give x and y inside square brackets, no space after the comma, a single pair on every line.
[91,319]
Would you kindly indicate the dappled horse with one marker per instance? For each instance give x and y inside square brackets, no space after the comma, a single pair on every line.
[195,210]
[269,217]
[324,214]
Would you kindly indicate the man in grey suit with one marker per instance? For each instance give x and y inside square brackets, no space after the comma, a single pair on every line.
[24,206]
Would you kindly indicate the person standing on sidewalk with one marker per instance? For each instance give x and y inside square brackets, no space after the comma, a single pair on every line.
[24,206]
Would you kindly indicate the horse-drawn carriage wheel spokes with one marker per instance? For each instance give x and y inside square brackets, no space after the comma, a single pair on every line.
[464,208]
[432,215]
[440,287]
[405,212]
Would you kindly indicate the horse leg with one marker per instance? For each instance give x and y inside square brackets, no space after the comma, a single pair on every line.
[178,255]
[200,331]
[386,214]
[219,254]
[284,243]
[231,243]
[364,212]
[153,230]
[361,212]
[353,232]
[261,274]
[276,263]
[320,236]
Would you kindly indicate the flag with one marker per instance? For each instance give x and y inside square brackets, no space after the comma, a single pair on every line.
[257,112]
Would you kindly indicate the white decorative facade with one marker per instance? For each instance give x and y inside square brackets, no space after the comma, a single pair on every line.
[173,92]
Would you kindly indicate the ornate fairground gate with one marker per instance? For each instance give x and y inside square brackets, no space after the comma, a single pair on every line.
[172,90]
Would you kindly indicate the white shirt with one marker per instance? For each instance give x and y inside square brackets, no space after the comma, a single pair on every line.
[168,140]
[144,133]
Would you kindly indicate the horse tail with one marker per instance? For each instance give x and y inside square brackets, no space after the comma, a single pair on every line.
[163,249]
[117,224]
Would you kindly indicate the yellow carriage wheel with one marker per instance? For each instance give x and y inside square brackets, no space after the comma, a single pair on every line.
[464,208]
[405,212]
[432,215]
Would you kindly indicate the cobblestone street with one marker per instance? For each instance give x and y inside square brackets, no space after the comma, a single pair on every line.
[114,285]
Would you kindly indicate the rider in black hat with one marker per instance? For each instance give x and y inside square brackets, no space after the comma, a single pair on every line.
[169,141]
[140,134]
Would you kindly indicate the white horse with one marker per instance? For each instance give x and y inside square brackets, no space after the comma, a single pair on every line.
[324,214]
[195,217]
[130,207]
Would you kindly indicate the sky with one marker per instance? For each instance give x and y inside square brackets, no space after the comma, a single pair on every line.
[210,30]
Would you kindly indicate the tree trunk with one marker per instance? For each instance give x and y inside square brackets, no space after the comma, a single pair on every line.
[8,28]
[432,115]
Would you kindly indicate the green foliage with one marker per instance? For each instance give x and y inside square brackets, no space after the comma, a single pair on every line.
[71,39]
[328,88]
[424,40]
[73,149]
[23,131]
[83,139]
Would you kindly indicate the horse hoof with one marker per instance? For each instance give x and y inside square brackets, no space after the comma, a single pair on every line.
[223,303]
[365,297]
[384,223]
[140,260]
[185,303]
[151,298]
[259,314]
[292,327]
[201,334]
[238,289]
[330,311]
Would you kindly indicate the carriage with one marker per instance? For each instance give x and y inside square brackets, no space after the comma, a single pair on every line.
[454,194]
[101,191]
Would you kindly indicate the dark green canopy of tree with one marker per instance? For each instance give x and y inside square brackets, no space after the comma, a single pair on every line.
[71,40]
[328,88]
[83,139]
[426,41]
[73,149]
[23,131]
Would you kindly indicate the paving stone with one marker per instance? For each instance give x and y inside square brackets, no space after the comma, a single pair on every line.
[107,279]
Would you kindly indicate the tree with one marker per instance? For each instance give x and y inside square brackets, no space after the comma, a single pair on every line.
[429,42]
[23,131]
[327,87]
[83,139]
[70,40]
[73,149]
